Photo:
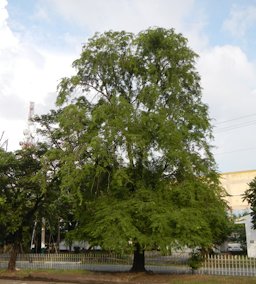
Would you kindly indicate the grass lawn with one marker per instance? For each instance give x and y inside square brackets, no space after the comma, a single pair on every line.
[77,276]
[206,279]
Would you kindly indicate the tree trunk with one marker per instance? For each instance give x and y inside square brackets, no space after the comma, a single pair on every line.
[138,260]
[13,257]
[58,237]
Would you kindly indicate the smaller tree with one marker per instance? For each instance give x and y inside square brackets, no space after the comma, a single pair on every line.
[23,192]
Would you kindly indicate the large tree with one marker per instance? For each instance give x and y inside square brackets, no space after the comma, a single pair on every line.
[134,145]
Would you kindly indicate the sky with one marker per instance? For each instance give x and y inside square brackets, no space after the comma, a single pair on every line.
[39,40]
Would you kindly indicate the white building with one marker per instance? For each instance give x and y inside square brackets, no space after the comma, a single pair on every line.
[250,235]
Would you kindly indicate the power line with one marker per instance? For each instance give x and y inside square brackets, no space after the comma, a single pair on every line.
[226,125]
[235,151]
[236,118]
[236,126]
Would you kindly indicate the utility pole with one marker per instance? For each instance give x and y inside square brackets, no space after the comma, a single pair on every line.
[3,143]
[29,141]
[29,132]
[43,247]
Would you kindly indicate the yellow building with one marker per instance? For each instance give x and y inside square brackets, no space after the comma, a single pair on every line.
[236,183]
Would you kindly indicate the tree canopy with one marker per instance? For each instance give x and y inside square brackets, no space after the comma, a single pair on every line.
[132,136]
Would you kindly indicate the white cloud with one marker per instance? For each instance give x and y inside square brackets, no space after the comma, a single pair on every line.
[130,15]
[32,76]
[27,73]
[240,20]
[8,40]
[3,12]
[133,16]
[228,79]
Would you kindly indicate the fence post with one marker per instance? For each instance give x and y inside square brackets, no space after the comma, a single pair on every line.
[220,264]
[253,266]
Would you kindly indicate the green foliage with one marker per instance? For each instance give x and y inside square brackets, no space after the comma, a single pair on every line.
[250,197]
[27,191]
[238,235]
[195,260]
[131,137]
[21,182]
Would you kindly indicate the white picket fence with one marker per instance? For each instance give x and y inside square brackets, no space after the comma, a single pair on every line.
[100,261]
[236,265]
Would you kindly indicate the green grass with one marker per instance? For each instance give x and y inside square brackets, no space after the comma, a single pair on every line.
[126,277]
[194,279]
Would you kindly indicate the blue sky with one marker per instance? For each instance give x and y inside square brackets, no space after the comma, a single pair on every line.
[41,38]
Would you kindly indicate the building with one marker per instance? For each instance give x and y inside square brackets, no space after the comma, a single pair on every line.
[235,184]
[250,235]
